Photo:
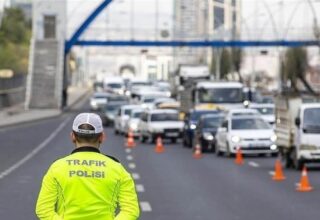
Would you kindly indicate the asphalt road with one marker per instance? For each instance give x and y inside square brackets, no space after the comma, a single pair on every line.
[171,185]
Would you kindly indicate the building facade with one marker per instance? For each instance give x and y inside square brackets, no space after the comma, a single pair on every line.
[204,20]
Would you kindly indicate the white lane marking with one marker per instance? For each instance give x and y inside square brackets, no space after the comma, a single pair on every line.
[132,165]
[253,164]
[35,150]
[129,157]
[135,176]
[140,188]
[145,207]
[128,150]
[271,173]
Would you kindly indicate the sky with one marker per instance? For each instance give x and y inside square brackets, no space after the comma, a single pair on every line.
[265,19]
[289,19]
[119,19]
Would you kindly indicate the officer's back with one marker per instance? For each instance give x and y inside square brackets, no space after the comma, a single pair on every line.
[87,184]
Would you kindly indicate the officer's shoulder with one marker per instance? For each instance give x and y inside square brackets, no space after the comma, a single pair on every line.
[112,158]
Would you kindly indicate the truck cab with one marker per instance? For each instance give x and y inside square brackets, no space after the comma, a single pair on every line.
[298,131]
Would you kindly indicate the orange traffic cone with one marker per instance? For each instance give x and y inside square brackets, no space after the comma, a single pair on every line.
[159,146]
[197,154]
[130,140]
[239,158]
[304,185]
[278,174]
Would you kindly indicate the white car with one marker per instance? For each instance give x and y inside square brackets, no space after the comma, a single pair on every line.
[122,116]
[160,122]
[133,122]
[252,134]
[98,100]
[243,112]
[266,111]
[114,84]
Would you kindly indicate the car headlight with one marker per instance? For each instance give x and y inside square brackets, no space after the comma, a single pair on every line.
[93,103]
[273,138]
[273,147]
[208,136]
[235,139]
[133,126]
[128,93]
[193,126]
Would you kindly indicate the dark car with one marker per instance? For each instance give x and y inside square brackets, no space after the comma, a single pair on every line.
[206,130]
[108,113]
[190,124]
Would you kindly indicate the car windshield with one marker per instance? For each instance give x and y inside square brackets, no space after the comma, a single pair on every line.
[114,85]
[148,100]
[118,98]
[100,96]
[249,124]
[111,108]
[311,120]
[220,95]
[140,84]
[212,122]
[265,111]
[165,117]
[255,96]
[136,115]
[267,99]
[127,111]
[195,116]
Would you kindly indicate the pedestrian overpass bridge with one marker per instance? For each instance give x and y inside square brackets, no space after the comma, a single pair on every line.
[48,69]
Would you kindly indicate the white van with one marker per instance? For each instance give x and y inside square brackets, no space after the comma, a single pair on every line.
[114,84]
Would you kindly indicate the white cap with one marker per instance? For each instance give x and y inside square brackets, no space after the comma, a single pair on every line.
[88,118]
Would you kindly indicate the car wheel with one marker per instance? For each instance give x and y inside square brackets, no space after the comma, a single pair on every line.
[298,164]
[217,150]
[184,142]
[173,140]
[190,143]
[116,131]
[142,138]
[228,151]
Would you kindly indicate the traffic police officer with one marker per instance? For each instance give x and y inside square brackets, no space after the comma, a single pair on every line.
[87,185]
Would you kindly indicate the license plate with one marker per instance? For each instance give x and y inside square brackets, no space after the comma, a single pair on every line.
[172,134]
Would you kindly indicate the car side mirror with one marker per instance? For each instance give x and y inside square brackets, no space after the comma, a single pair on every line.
[297,122]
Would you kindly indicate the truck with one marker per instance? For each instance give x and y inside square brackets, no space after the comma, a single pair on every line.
[222,94]
[297,130]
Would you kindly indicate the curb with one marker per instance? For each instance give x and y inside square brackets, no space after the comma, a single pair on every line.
[68,108]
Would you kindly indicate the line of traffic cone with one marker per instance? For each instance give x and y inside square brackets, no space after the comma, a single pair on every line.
[197,154]
[130,140]
[239,157]
[278,174]
[304,185]
[159,146]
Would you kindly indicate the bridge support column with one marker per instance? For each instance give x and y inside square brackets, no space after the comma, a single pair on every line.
[46,81]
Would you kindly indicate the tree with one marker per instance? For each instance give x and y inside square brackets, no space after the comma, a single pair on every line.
[15,34]
[225,63]
[295,67]
[236,55]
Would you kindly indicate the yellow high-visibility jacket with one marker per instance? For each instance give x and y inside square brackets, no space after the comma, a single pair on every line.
[87,185]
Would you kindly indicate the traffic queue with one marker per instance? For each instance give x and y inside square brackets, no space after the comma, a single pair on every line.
[148,110]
